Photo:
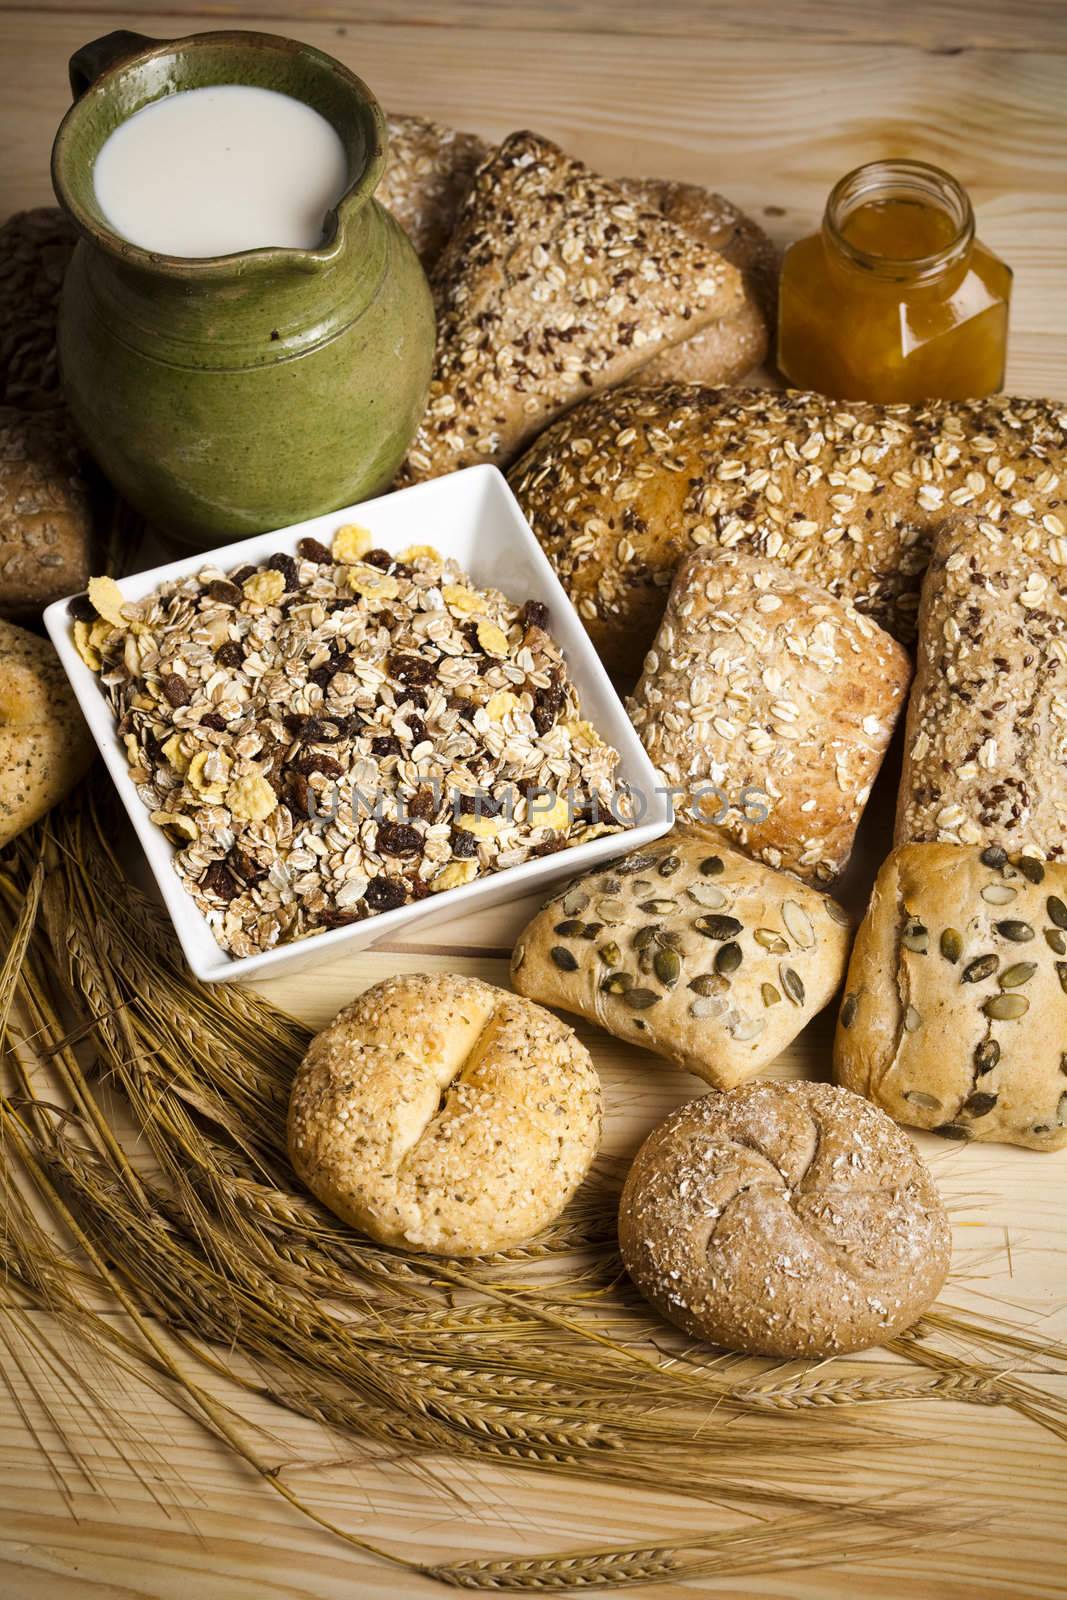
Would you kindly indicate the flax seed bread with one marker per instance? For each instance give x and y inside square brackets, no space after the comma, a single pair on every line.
[440,1114]
[955,1008]
[775,699]
[784,1219]
[986,742]
[845,493]
[553,285]
[44,744]
[692,950]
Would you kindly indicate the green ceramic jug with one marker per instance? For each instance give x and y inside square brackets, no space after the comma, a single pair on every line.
[229,395]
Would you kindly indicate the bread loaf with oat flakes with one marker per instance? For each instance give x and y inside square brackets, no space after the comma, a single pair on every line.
[45,519]
[692,950]
[985,759]
[846,493]
[769,704]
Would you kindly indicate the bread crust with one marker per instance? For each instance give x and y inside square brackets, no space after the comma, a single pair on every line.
[784,1219]
[45,522]
[761,683]
[690,949]
[45,746]
[947,937]
[440,1114]
[848,494]
[428,176]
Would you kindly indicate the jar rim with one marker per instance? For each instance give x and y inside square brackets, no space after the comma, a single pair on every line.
[889,179]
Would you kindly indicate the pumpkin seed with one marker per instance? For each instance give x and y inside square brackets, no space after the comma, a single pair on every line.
[574,903]
[769,994]
[792,983]
[727,958]
[708,983]
[1015,976]
[717,926]
[645,936]
[1063,1063]
[646,960]
[978,1105]
[952,944]
[1006,1007]
[912,1020]
[798,924]
[564,959]
[707,1006]
[570,929]
[668,866]
[986,1056]
[610,910]
[641,999]
[837,913]
[1031,868]
[610,953]
[1056,940]
[849,1009]
[953,1130]
[747,1028]
[1061,973]
[993,856]
[707,895]
[1057,911]
[668,967]
[916,938]
[711,866]
[998,894]
[1040,1127]
[925,1102]
[771,941]
[657,908]
[635,863]
[980,968]
[1017,932]
[672,937]
[518,956]
[591,930]
[617,983]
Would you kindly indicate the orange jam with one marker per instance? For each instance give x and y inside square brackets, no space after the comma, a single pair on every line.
[894,298]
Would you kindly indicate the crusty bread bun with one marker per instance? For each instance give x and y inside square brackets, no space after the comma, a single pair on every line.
[428,176]
[440,1114]
[846,493]
[45,746]
[784,1219]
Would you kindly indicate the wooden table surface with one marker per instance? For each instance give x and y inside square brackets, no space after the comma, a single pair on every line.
[769,103]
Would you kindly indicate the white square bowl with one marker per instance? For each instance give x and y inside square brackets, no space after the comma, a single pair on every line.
[473,517]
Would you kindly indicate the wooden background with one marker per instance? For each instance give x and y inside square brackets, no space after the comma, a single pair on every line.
[770,103]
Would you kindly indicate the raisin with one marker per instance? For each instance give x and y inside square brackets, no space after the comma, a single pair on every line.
[245,866]
[230,654]
[411,668]
[323,676]
[219,881]
[386,744]
[416,698]
[312,550]
[397,839]
[480,804]
[547,706]
[314,762]
[333,918]
[212,720]
[175,689]
[419,889]
[242,576]
[385,894]
[418,729]
[296,793]
[534,614]
[424,804]
[464,844]
[81,608]
[227,594]
[377,558]
[462,708]
[287,567]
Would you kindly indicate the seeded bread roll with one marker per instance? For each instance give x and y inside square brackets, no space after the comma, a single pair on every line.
[724,351]
[44,744]
[429,174]
[35,248]
[553,285]
[769,704]
[845,493]
[687,947]
[955,1008]
[440,1114]
[985,757]
[785,1219]
[45,527]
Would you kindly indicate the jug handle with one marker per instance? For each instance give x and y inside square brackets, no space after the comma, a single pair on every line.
[95,58]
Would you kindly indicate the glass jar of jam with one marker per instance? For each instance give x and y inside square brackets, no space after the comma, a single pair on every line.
[894,298]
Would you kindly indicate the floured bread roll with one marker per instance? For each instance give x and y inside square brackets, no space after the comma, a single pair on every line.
[45,746]
[784,1219]
[690,949]
[441,1114]
[955,1008]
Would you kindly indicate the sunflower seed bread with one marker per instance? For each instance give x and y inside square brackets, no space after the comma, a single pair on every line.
[769,704]
[440,1114]
[847,494]
[955,1008]
[785,1219]
[690,949]
[45,518]
[986,743]
[553,285]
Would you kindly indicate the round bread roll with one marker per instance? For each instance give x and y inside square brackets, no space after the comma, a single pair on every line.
[440,1114]
[45,746]
[784,1219]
